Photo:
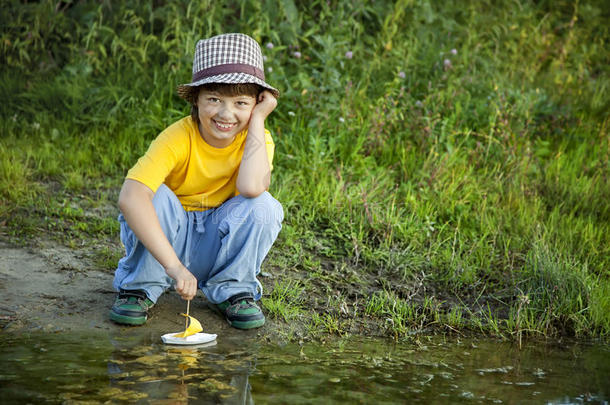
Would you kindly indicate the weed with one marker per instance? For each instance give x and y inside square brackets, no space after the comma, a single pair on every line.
[285,300]
[327,323]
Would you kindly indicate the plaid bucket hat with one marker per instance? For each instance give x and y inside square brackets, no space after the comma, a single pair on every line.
[226,58]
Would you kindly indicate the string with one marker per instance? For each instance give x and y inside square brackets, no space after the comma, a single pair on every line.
[186,321]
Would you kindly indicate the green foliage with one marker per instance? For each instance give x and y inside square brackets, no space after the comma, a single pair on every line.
[403,316]
[326,323]
[285,300]
[465,145]
[557,289]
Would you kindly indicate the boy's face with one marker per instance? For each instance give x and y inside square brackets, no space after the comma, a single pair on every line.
[222,117]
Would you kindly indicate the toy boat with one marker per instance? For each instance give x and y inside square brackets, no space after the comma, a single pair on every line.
[192,335]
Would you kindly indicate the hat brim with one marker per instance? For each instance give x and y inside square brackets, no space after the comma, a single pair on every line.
[186,91]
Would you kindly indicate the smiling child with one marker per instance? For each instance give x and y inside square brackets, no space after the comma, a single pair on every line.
[195,210]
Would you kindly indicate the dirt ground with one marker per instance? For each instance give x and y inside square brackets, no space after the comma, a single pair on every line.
[53,288]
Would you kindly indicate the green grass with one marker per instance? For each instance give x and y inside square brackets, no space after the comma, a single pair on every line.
[461,156]
[284,302]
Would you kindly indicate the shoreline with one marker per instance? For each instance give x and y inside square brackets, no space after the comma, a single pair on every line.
[50,287]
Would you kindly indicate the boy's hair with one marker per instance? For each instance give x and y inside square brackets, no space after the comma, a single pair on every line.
[225,89]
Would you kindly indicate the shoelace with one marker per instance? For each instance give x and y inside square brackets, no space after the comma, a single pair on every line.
[133,300]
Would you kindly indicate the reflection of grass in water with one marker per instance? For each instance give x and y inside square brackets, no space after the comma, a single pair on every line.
[328,371]
[461,149]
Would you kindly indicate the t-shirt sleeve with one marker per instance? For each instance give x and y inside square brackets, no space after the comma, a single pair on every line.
[163,155]
[270,148]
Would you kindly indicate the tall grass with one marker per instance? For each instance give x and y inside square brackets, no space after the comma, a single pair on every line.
[462,146]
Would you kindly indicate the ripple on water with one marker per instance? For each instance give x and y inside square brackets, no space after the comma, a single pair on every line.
[345,371]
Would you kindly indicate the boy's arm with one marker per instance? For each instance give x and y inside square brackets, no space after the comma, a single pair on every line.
[254,171]
[135,202]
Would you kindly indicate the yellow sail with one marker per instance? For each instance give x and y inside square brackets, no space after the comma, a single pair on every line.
[194,327]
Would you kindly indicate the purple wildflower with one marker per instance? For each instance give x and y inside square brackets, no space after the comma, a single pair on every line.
[454,51]
[349,55]
[447,63]
[296,54]
[402,74]
[269,45]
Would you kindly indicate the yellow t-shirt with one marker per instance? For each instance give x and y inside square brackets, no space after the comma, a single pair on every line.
[200,175]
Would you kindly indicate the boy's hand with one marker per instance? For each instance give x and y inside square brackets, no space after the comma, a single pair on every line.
[265,104]
[186,283]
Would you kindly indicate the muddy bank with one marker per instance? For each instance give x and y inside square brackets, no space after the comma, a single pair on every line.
[51,287]
[48,287]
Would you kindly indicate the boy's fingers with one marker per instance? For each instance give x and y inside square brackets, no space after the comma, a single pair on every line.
[186,283]
[265,94]
[192,290]
[186,289]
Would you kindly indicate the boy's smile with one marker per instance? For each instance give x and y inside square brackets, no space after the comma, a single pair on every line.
[222,117]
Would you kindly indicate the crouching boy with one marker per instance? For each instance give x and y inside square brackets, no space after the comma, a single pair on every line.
[195,212]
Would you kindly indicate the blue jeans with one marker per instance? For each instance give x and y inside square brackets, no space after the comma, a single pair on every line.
[223,247]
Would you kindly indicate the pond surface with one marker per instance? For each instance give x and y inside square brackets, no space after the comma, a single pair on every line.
[132,367]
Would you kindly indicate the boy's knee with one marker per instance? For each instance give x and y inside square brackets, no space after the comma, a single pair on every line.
[169,210]
[163,195]
[165,199]
[262,210]
[266,209]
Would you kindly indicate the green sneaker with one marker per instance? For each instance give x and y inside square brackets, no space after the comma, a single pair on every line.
[241,311]
[131,307]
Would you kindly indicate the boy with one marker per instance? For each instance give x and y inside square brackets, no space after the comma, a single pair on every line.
[195,212]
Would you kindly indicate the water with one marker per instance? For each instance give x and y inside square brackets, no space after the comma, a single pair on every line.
[97,367]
